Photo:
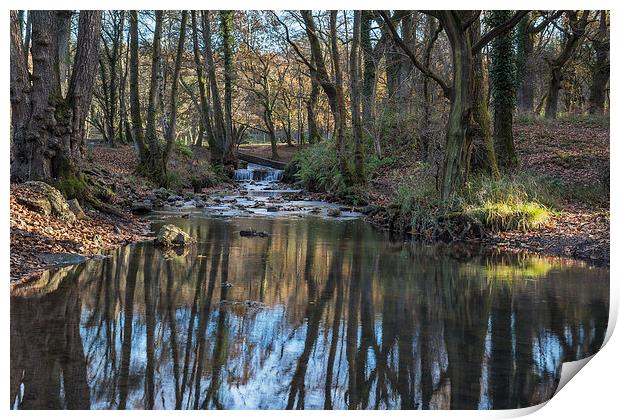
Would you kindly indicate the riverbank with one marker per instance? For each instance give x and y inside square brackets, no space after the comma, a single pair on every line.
[567,160]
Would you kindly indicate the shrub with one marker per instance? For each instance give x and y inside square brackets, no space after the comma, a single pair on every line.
[317,167]
[183,149]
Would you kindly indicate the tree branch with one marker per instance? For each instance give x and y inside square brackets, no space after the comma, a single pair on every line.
[426,71]
[498,30]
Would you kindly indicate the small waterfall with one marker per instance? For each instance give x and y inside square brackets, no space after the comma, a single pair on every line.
[258,173]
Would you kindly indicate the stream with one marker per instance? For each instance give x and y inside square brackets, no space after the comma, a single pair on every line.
[323,312]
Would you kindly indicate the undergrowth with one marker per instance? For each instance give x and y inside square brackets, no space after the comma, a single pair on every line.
[506,203]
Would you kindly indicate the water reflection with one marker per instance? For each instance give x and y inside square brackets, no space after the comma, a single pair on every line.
[321,314]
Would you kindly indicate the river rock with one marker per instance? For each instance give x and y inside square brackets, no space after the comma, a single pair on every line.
[272,208]
[75,207]
[47,200]
[60,258]
[199,203]
[171,236]
[369,209]
[144,206]
[333,212]
[252,233]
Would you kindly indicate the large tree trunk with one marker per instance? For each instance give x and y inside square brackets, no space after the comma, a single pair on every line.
[553,93]
[370,67]
[600,74]
[340,115]
[63,28]
[48,129]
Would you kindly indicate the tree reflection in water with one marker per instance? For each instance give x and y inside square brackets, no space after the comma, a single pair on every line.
[351,320]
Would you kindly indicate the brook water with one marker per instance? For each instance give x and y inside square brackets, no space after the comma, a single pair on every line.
[322,313]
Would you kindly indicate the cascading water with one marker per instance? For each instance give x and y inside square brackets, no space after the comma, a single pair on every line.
[258,173]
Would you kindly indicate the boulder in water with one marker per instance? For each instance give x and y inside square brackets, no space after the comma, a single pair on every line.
[171,236]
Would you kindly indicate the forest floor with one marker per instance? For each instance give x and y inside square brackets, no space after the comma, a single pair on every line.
[40,241]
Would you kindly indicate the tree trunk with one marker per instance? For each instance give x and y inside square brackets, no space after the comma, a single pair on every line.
[204,103]
[455,160]
[219,126]
[172,124]
[576,32]
[355,76]
[370,68]
[134,94]
[432,33]
[153,168]
[63,28]
[525,95]
[340,115]
[49,128]
[333,90]
[227,45]
[313,130]
[268,119]
[480,112]
[600,74]
[503,92]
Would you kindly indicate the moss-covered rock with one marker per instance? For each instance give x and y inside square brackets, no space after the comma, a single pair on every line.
[46,199]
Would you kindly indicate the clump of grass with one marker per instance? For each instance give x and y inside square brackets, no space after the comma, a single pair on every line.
[508,202]
[509,216]
[505,203]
